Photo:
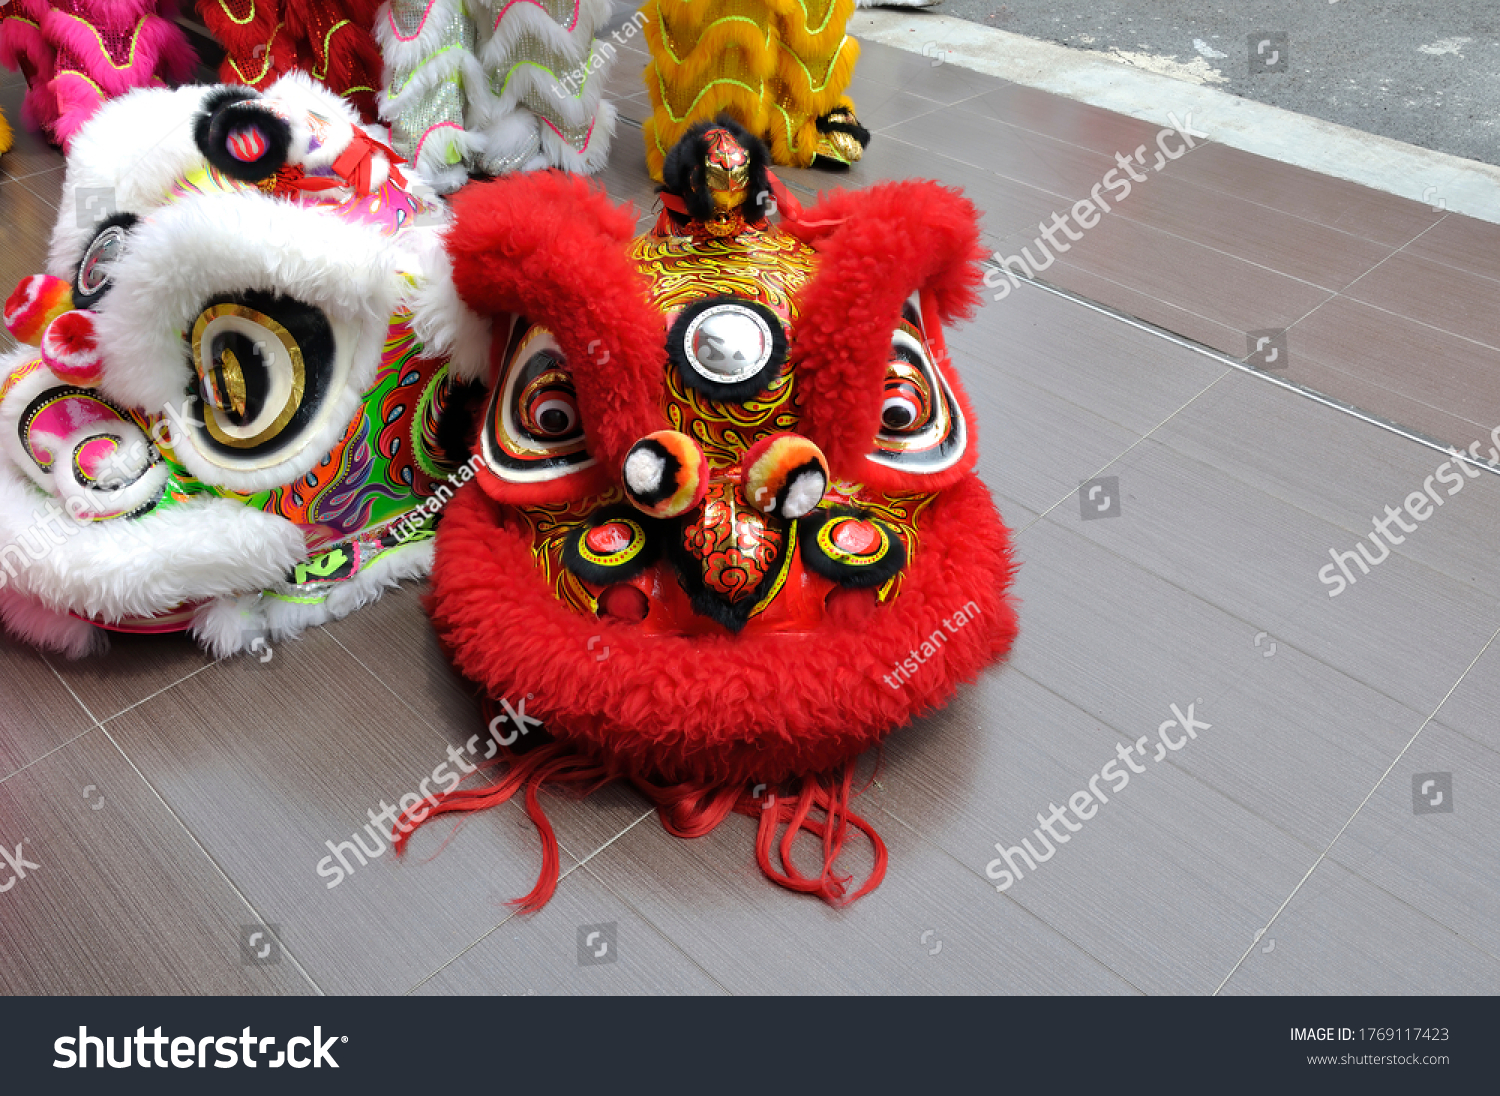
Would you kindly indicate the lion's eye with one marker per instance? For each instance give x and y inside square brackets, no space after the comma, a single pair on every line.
[921,427]
[93,280]
[908,402]
[263,367]
[533,428]
[549,406]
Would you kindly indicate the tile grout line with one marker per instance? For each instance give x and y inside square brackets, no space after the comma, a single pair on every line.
[383,684]
[516,913]
[1324,854]
[1126,450]
[920,836]
[654,927]
[1024,133]
[79,700]
[49,753]
[207,855]
[1270,378]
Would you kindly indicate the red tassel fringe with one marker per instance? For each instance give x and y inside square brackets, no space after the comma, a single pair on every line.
[686,810]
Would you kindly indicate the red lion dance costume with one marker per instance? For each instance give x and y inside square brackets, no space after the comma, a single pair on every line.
[736,458]
[329,39]
[75,54]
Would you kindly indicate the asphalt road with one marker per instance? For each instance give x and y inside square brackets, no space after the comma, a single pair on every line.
[1427,74]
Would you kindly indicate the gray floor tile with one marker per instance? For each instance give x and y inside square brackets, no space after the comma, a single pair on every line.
[543,954]
[37,712]
[1164,883]
[134,668]
[1342,936]
[1471,709]
[268,763]
[751,936]
[1108,368]
[1445,861]
[122,901]
[30,153]
[1405,630]
[1340,469]
[1034,447]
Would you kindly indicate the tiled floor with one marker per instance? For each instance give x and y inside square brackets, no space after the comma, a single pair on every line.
[173,804]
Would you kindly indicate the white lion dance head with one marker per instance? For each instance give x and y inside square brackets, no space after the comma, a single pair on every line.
[229,416]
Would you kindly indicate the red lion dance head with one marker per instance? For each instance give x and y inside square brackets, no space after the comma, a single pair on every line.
[726,534]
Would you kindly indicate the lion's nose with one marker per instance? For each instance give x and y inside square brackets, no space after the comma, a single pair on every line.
[784,474]
[665,474]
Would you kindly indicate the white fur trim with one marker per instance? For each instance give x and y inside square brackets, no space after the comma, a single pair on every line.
[446,326]
[125,159]
[29,620]
[497,44]
[643,471]
[296,97]
[228,243]
[138,567]
[595,154]
[227,626]
[398,51]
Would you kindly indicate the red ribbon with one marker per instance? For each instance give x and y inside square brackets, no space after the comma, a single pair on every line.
[354,167]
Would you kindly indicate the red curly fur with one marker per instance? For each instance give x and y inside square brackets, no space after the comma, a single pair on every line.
[875,247]
[550,247]
[716,710]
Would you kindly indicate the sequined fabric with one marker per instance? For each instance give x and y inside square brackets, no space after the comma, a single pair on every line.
[494,86]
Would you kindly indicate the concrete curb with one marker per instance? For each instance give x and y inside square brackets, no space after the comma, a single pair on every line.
[1436,179]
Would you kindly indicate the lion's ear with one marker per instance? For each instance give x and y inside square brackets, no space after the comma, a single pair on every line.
[883,402]
[240,136]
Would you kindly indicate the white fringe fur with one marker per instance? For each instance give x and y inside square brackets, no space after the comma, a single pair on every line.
[227,626]
[144,566]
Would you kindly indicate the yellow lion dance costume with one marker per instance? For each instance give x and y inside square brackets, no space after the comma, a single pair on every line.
[778,67]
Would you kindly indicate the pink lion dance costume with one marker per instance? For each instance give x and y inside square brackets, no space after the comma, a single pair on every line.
[75,54]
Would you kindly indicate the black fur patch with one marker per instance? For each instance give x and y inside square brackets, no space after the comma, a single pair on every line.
[740,391]
[227,109]
[457,423]
[683,173]
[599,574]
[858,576]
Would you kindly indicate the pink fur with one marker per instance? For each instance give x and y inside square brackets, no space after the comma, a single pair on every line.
[76,101]
[40,626]
[21,39]
[154,39]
